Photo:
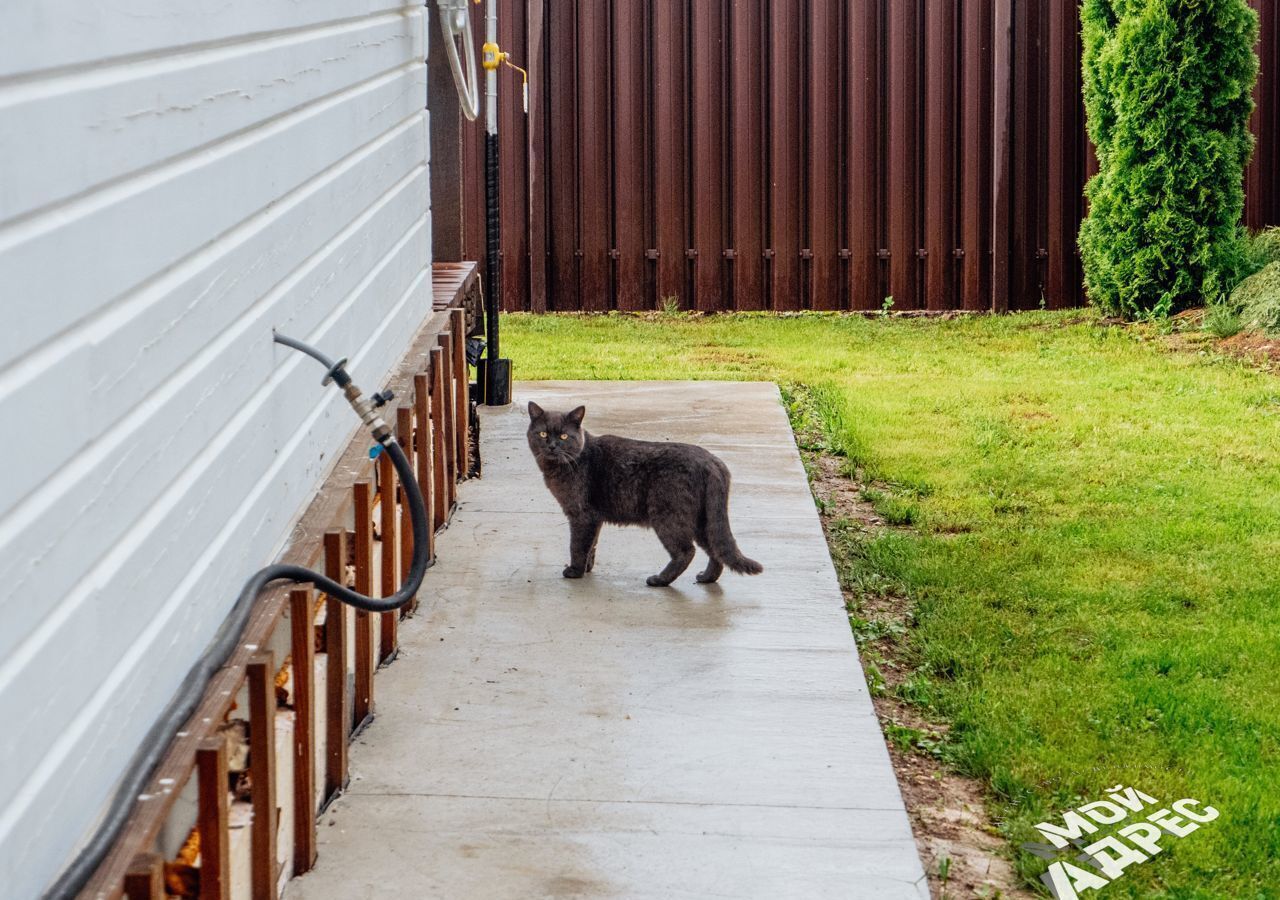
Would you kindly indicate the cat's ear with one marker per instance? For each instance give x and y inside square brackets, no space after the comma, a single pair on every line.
[577,415]
[535,412]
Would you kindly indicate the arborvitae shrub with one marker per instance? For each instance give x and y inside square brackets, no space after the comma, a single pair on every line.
[1168,93]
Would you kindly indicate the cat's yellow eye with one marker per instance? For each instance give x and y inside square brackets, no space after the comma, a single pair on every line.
[542,433]
[564,437]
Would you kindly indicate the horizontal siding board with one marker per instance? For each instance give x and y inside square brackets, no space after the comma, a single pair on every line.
[242,411]
[96,375]
[85,508]
[61,267]
[220,169]
[69,778]
[59,140]
[55,34]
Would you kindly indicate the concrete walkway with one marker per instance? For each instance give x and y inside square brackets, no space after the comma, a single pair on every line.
[541,737]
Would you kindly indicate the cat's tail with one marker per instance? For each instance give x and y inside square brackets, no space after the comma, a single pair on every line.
[720,540]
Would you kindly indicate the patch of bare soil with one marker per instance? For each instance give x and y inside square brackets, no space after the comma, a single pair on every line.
[954,834]
[1254,346]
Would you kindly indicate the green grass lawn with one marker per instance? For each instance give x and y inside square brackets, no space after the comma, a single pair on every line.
[1095,557]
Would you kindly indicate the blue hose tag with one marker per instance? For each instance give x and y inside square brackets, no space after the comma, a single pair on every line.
[375,451]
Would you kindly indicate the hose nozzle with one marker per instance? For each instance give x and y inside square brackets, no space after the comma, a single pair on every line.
[366,407]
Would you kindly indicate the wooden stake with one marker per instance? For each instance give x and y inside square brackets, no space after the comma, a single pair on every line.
[450,421]
[389,516]
[404,434]
[302,650]
[338,715]
[261,672]
[363,704]
[145,878]
[440,462]
[426,456]
[461,407]
[211,819]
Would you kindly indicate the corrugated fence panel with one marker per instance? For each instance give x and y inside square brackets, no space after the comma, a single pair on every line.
[941,203]
[706,30]
[630,179]
[862,206]
[821,255]
[786,223]
[746,154]
[803,154]
[670,151]
[975,76]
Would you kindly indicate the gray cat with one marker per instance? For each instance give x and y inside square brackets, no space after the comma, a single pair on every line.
[679,490]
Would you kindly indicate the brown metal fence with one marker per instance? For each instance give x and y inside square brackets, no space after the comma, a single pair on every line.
[801,154]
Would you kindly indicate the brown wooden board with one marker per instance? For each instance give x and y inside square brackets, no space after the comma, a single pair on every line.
[211,819]
[365,654]
[425,450]
[145,878]
[389,568]
[448,418]
[461,391]
[261,673]
[337,699]
[404,434]
[440,465]
[302,655]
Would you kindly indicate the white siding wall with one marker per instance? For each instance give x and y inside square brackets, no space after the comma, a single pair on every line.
[176,178]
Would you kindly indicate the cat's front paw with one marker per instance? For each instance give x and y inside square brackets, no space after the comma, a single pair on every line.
[656,581]
[571,572]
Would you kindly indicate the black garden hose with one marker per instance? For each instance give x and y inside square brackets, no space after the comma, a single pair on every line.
[143,765]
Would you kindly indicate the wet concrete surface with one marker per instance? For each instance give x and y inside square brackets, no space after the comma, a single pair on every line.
[546,737]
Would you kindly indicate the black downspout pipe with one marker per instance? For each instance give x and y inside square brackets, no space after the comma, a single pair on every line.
[496,378]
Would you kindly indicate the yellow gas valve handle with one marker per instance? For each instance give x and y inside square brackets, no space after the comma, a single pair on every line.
[491,56]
